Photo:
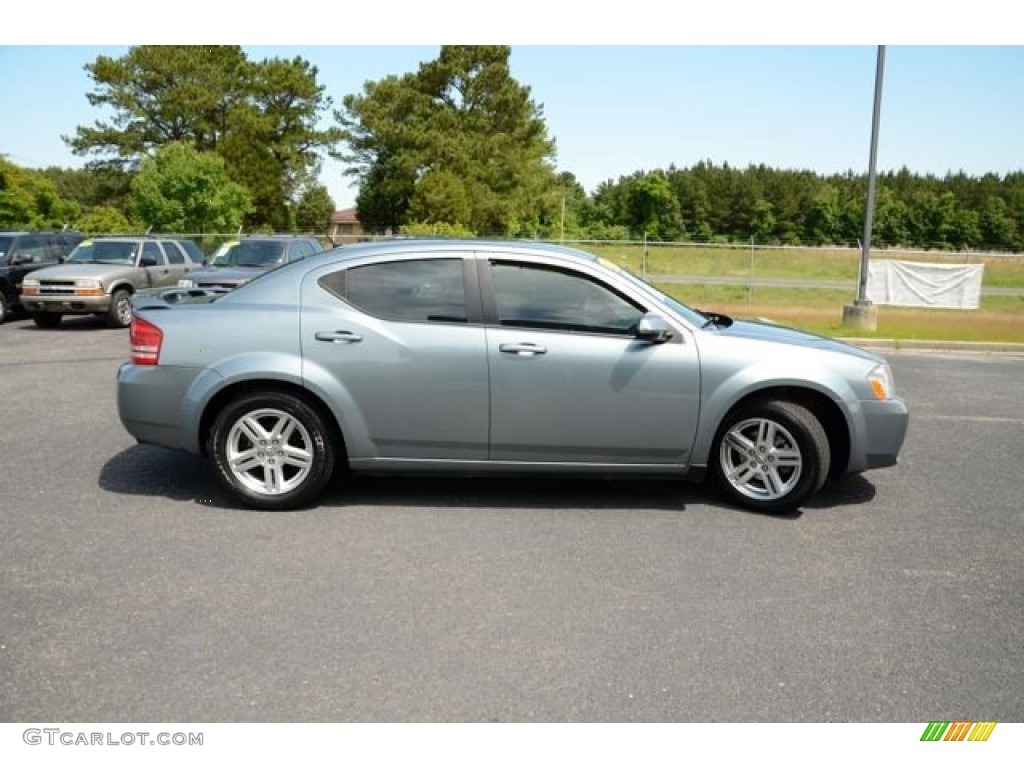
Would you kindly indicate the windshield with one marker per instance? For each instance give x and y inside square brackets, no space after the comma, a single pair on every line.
[105,252]
[692,315]
[249,253]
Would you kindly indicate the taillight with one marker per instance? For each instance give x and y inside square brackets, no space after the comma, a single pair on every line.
[146,339]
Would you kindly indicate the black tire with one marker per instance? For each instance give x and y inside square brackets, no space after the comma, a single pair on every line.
[5,310]
[771,456]
[47,319]
[119,315]
[298,481]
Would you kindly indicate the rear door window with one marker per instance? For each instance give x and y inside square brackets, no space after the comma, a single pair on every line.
[421,290]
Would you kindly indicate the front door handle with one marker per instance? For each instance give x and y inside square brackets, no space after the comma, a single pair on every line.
[524,349]
[338,337]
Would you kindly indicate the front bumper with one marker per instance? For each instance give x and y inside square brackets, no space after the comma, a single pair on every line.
[67,304]
[880,435]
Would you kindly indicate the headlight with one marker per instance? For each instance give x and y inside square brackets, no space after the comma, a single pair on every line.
[186,283]
[87,286]
[30,282]
[881,381]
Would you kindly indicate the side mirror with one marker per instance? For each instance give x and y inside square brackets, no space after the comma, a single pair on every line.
[147,261]
[20,257]
[653,328]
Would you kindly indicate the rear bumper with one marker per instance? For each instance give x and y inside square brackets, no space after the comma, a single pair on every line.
[152,403]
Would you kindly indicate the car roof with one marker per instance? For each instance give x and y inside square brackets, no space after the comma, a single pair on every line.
[70,233]
[275,237]
[131,238]
[384,247]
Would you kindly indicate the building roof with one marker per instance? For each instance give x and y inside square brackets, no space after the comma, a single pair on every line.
[345,216]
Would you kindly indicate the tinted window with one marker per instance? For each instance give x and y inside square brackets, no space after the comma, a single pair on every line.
[195,253]
[152,250]
[250,253]
[531,296]
[428,290]
[32,248]
[5,245]
[174,253]
[300,249]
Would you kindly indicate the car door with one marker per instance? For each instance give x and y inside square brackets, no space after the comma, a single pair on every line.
[160,273]
[28,253]
[178,261]
[399,347]
[571,383]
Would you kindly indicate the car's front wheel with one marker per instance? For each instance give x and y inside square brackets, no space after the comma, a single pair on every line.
[272,450]
[771,456]
[119,315]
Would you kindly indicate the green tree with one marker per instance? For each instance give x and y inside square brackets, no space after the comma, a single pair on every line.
[461,116]
[261,117]
[996,224]
[762,221]
[92,187]
[28,199]
[653,208]
[160,94]
[823,218]
[440,197]
[314,209]
[105,220]
[180,189]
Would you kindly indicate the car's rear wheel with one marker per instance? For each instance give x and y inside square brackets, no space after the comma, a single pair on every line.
[46,319]
[272,450]
[120,313]
[771,456]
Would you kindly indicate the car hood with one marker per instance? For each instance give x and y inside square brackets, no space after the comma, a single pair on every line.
[780,334]
[83,271]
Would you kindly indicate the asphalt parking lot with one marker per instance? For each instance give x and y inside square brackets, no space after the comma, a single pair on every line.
[134,590]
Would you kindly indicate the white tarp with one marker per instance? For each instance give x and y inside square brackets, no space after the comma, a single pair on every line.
[913,284]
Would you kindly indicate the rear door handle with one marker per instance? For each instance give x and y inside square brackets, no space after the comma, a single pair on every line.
[524,349]
[338,337]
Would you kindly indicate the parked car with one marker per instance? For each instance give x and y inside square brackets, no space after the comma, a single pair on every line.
[100,277]
[463,357]
[24,252]
[239,261]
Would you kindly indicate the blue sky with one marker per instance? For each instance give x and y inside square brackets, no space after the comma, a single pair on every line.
[616,109]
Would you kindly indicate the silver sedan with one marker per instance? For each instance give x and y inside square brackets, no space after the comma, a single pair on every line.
[470,356]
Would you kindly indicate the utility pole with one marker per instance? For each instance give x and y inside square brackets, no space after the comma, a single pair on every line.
[862,314]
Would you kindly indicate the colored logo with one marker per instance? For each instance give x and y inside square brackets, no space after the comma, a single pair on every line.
[960,731]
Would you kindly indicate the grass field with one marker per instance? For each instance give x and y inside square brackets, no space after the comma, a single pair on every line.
[801,263]
[999,319]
